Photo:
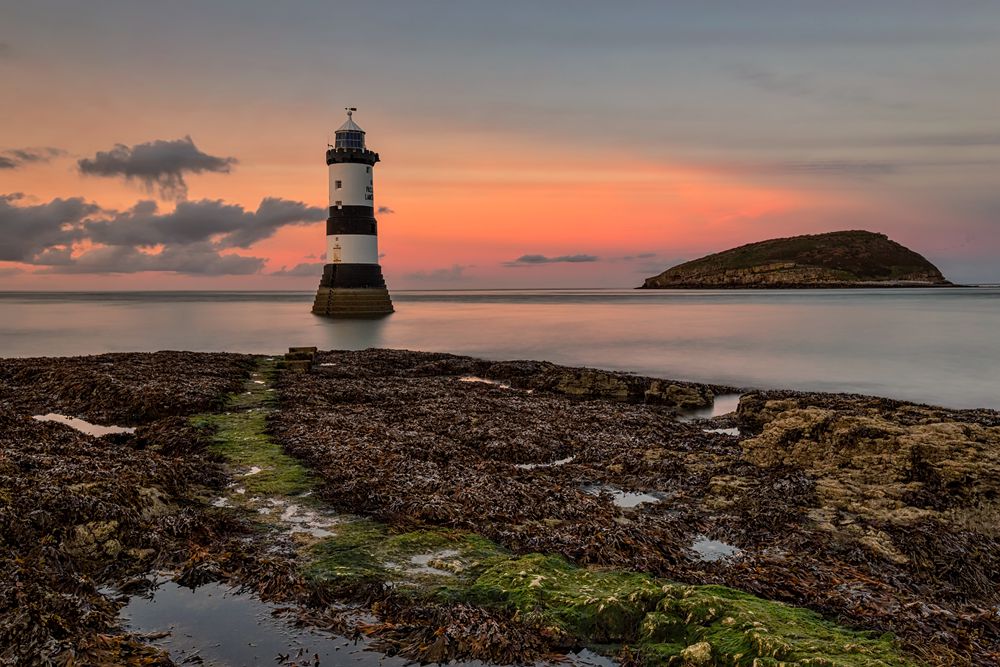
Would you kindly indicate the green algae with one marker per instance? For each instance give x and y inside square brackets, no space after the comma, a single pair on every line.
[661,619]
[240,436]
[438,562]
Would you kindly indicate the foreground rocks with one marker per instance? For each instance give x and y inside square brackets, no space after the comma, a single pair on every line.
[502,511]
[77,512]
[402,438]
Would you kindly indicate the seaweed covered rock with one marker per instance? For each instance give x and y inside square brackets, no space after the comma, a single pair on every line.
[124,388]
[78,512]
[501,449]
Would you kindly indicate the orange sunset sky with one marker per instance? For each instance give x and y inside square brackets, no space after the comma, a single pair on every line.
[612,143]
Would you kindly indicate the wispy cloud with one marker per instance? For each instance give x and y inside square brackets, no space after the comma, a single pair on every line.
[158,165]
[385,210]
[536,260]
[806,85]
[454,273]
[18,157]
[304,269]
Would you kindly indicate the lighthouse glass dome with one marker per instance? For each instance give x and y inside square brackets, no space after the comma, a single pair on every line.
[351,139]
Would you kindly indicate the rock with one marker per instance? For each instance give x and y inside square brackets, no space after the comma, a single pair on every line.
[93,540]
[587,383]
[685,398]
[154,503]
[697,655]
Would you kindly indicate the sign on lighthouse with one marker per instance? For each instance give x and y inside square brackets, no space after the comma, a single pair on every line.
[352,283]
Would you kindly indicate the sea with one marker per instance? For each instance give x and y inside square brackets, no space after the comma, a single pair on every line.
[937,346]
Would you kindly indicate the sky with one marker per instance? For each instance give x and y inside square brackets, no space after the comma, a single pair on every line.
[573,143]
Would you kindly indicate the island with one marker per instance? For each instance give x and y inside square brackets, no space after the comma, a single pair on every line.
[855,258]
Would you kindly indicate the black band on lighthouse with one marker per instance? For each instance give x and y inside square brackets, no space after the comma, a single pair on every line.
[351,220]
[353,276]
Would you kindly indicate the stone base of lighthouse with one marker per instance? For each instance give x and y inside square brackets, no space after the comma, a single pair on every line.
[352,291]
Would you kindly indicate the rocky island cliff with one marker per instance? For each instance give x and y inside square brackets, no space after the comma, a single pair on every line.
[835,259]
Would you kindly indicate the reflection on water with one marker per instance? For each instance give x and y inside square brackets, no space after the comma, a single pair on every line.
[622,498]
[713,550]
[83,426]
[927,345]
[216,625]
[723,404]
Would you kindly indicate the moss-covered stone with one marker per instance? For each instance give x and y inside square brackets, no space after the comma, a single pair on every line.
[595,606]
[674,624]
[442,560]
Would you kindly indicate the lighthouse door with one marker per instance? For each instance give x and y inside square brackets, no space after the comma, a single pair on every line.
[336,253]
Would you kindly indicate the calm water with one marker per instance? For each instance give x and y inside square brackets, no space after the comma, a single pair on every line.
[939,346]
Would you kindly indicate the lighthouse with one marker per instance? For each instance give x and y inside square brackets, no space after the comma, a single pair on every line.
[352,284]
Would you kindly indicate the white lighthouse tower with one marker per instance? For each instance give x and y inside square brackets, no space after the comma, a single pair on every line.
[352,283]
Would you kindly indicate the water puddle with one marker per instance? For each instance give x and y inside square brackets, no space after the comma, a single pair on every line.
[587,658]
[473,378]
[83,426]
[295,518]
[723,431]
[215,625]
[722,405]
[554,464]
[713,550]
[424,563]
[622,498]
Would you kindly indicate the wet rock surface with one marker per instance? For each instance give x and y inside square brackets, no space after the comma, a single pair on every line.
[78,511]
[397,437]
[382,494]
[122,388]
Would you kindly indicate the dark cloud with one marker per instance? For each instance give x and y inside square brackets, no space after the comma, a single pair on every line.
[314,269]
[159,164]
[227,225]
[18,157]
[952,140]
[534,260]
[385,210]
[28,231]
[10,271]
[201,259]
[454,273]
[641,255]
[192,239]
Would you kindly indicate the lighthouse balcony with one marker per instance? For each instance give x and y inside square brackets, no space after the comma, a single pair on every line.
[337,155]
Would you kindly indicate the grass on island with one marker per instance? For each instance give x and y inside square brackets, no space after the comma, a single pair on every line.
[661,621]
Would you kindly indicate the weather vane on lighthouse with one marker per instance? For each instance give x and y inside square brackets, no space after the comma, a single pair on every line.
[352,284]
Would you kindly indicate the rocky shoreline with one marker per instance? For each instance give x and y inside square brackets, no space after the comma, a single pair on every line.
[501,511]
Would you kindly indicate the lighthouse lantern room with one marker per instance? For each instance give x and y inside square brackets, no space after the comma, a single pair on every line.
[352,283]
